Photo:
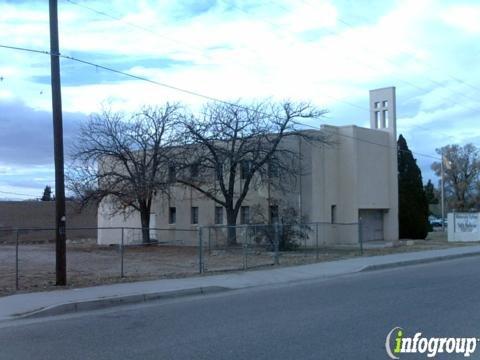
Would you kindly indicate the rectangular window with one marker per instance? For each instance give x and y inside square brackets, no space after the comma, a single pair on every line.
[245,167]
[385,117]
[219,174]
[377,105]
[385,104]
[378,120]
[333,214]
[245,215]
[274,219]
[273,169]
[172,215]
[194,215]
[218,215]
[194,171]
[172,173]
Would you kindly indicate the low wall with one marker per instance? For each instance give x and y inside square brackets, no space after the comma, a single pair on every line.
[464,227]
[41,214]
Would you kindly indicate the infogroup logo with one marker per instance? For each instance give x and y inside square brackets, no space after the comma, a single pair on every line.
[397,343]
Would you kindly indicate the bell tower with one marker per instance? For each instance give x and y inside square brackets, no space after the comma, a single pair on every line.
[383,110]
[383,116]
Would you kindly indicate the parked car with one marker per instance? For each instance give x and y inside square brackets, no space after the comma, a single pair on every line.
[436,222]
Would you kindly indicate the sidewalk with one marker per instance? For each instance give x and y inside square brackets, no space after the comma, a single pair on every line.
[64,301]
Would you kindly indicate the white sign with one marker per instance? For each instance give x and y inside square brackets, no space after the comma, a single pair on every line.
[466,222]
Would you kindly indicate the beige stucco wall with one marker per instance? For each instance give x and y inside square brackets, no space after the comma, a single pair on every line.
[357,170]
[348,173]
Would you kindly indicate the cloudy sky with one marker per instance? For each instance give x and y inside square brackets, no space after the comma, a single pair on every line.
[327,52]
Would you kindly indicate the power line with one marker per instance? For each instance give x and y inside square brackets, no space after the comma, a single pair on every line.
[116,18]
[391,147]
[277,26]
[190,92]
[374,143]
[346,23]
[403,52]
[357,61]
[370,66]
[352,59]
[431,130]
[18,194]
[192,46]
[97,66]
[139,27]
[136,77]
[172,87]
[44,52]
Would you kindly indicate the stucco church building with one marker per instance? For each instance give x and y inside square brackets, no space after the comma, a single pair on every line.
[351,180]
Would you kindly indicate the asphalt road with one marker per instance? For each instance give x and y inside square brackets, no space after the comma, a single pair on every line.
[342,318]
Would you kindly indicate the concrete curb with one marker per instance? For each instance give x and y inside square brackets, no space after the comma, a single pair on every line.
[110,301]
[86,305]
[417,261]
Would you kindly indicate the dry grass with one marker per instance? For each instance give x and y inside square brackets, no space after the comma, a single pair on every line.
[89,264]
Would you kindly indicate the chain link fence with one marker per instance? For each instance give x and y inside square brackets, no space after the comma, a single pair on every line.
[106,255]
[260,245]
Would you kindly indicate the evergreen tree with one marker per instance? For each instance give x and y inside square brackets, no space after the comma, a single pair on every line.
[430,193]
[47,194]
[412,201]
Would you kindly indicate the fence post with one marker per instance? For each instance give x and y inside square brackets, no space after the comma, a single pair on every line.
[121,256]
[16,260]
[276,243]
[209,241]
[200,250]
[305,252]
[360,236]
[245,235]
[227,238]
[317,250]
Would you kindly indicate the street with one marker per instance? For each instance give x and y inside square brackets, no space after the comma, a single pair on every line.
[346,317]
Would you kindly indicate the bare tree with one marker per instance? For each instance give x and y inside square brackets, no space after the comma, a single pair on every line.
[123,158]
[462,170]
[233,147]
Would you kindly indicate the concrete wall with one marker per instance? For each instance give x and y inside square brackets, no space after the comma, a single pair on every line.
[41,214]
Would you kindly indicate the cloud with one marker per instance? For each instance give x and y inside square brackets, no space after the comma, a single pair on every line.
[191,8]
[27,181]
[330,53]
[26,135]
[70,76]
[464,17]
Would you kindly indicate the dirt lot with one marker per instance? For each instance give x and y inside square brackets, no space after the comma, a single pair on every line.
[89,264]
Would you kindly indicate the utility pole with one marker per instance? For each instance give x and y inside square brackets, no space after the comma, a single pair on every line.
[442,192]
[60,236]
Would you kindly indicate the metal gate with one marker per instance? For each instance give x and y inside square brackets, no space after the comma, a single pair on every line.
[372,224]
